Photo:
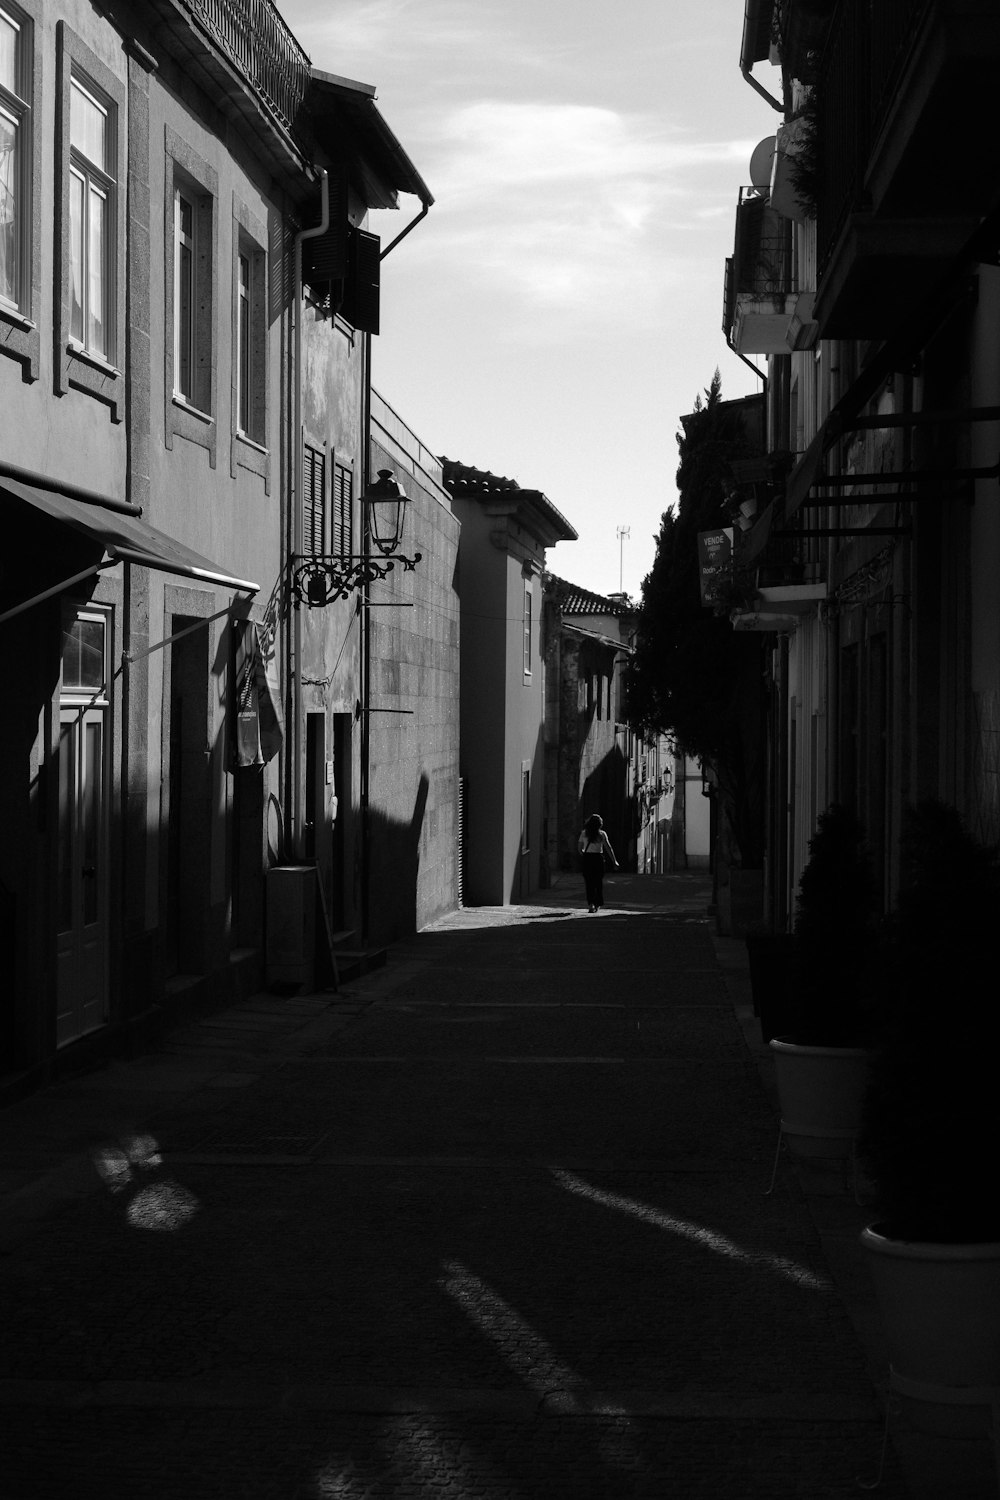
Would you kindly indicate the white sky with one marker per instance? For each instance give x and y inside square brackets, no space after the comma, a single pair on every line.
[560,307]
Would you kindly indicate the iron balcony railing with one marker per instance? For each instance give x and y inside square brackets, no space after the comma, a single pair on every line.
[860,67]
[254,37]
[761,263]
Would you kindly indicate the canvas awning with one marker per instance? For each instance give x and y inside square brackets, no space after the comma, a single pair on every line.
[125,538]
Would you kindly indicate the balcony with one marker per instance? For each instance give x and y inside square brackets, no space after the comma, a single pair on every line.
[759,295]
[900,82]
[243,55]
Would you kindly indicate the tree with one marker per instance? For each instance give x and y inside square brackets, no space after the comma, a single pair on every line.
[693,676]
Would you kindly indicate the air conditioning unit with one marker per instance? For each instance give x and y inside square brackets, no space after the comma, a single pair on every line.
[291,925]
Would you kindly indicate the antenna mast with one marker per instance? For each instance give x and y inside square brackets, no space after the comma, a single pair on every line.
[623,532]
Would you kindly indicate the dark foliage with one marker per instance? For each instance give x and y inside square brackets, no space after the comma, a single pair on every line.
[836,935]
[693,676]
[933,1111]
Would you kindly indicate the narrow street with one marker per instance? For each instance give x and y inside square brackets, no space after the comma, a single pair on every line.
[488,1223]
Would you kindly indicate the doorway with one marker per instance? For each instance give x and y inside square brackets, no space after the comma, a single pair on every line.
[342,896]
[82,830]
[189,812]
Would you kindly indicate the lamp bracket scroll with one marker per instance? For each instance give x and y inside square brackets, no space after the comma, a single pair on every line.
[321,580]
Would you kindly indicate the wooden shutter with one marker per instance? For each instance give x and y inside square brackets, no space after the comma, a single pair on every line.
[340,517]
[361,295]
[313,498]
[325,258]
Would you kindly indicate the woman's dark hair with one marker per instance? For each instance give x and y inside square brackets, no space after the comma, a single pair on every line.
[593,825]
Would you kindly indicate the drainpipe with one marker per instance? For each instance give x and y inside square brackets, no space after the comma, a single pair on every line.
[365,704]
[293,790]
[761,90]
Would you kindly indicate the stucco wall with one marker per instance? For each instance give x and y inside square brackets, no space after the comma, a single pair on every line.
[414,699]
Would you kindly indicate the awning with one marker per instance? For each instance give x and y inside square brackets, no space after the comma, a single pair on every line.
[126,538]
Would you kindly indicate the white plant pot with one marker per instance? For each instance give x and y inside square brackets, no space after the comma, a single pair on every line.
[821,1091]
[940,1306]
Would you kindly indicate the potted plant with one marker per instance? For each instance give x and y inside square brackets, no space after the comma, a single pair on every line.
[932,1122]
[821,1061]
[769,956]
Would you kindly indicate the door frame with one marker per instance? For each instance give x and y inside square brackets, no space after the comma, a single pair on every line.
[82,704]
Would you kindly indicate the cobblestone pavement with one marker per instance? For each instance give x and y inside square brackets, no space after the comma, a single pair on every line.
[487,1223]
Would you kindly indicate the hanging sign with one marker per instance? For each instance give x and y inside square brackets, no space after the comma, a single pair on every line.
[715,561]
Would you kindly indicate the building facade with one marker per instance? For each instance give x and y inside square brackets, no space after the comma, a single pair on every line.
[871,557]
[160,175]
[589,750]
[505,531]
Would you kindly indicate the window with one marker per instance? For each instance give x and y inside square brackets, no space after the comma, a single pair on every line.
[243,346]
[192,286]
[183,296]
[340,520]
[15,140]
[250,343]
[190,296]
[91,218]
[527,630]
[20,185]
[313,501]
[84,657]
[250,340]
[89,223]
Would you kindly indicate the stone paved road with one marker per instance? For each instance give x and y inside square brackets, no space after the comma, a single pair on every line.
[488,1224]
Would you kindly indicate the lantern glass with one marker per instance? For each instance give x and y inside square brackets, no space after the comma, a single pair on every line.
[386,501]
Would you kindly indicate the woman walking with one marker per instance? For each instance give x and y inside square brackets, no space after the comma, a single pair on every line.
[594,844]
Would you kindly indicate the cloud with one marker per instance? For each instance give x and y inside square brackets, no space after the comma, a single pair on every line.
[565,205]
[366,33]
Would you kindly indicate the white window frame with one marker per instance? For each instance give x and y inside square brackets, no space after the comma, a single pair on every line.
[527,627]
[15,108]
[184,243]
[249,384]
[244,345]
[96,184]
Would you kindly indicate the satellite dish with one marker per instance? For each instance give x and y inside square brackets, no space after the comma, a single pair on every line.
[760,164]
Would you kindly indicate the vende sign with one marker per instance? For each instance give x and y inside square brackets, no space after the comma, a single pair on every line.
[715,560]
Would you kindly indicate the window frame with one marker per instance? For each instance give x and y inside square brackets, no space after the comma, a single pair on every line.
[526,627]
[188,177]
[95,183]
[79,367]
[320,458]
[20,335]
[250,365]
[342,507]
[184,244]
[15,106]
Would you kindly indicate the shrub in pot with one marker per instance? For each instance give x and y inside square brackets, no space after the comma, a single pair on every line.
[836,935]
[821,1063]
[770,957]
[932,1118]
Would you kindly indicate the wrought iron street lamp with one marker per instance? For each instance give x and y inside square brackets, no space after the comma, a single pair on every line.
[322,579]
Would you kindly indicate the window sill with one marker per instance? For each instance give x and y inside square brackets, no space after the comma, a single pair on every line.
[250,442]
[77,351]
[194,411]
[11,314]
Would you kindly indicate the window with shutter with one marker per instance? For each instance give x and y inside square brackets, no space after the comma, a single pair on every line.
[325,257]
[313,501]
[360,306]
[340,518]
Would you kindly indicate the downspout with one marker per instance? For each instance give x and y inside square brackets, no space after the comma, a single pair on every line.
[761,90]
[425,208]
[293,791]
[365,704]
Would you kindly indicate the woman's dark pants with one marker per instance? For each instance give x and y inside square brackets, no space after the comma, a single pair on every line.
[593,878]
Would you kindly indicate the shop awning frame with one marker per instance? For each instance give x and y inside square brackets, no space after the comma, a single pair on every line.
[123,534]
